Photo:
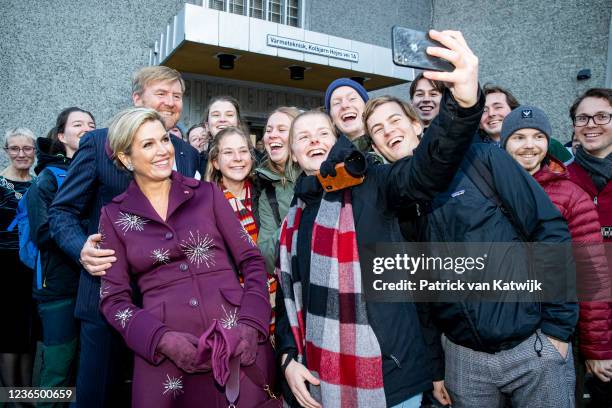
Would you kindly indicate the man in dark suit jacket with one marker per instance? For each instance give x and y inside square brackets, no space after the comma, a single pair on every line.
[92,181]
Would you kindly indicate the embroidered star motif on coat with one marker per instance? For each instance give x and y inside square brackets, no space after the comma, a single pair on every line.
[130,222]
[231,318]
[160,256]
[103,288]
[122,316]
[173,385]
[198,249]
[247,237]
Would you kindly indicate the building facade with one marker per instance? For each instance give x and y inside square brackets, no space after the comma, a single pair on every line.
[57,54]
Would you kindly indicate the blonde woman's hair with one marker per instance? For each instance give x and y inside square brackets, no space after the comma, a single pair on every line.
[212,174]
[290,169]
[312,112]
[159,73]
[19,131]
[123,128]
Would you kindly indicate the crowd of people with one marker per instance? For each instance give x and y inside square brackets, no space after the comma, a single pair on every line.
[184,270]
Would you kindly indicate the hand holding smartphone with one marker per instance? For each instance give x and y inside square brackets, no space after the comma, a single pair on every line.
[409,50]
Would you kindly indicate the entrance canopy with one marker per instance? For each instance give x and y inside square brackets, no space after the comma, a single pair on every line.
[198,40]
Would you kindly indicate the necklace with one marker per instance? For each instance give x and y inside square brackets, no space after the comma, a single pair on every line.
[10,186]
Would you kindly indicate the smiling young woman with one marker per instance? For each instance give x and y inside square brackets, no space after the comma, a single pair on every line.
[222,112]
[275,180]
[230,165]
[55,286]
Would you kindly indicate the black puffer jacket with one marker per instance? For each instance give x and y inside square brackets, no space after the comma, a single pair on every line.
[386,190]
[60,274]
[463,214]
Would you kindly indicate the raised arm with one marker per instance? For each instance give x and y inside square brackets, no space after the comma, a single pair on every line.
[441,151]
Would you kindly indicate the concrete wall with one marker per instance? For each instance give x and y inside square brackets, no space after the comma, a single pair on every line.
[60,53]
[364,20]
[535,48]
[370,22]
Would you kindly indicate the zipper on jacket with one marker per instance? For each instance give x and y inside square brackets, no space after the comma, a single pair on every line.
[595,200]
[466,313]
[395,360]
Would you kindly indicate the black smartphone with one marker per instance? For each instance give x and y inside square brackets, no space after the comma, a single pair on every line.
[409,50]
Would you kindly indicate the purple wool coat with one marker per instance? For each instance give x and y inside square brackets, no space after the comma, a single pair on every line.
[183,269]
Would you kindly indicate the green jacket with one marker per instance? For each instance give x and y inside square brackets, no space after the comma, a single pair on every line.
[269,227]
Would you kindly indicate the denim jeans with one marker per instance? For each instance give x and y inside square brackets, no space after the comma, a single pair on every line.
[413,402]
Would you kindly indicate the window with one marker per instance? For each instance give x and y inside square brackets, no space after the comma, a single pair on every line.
[293,15]
[257,9]
[277,11]
[217,5]
[237,6]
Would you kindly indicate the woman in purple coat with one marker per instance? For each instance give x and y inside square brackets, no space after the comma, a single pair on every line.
[177,238]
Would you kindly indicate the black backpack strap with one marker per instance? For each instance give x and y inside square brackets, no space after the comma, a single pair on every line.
[480,174]
[271,194]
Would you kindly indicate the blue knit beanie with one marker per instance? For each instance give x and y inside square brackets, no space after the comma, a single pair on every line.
[525,117]
[344,82]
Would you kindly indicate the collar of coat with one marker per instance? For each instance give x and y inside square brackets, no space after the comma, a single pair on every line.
[133,200]
[552,169]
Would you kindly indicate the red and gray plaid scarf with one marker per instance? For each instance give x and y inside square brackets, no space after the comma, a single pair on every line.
[340,346]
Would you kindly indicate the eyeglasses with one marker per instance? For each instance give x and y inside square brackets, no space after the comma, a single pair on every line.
[14,150]
[598,119]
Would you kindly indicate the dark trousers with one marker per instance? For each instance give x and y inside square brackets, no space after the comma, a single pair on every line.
[601,392]
[60,339]
[104,359]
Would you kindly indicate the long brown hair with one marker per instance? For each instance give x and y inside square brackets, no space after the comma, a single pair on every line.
[240,123]
[212,174]
[60,127]
[289,170]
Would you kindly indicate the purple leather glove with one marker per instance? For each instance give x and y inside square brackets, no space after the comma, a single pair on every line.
[181,348]
[247,346]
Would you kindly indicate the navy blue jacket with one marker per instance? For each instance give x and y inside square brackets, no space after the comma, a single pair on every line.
[60,273]
[92,182]
[463,214]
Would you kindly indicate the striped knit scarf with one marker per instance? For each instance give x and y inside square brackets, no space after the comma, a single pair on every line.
[340,346]
[244,211]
